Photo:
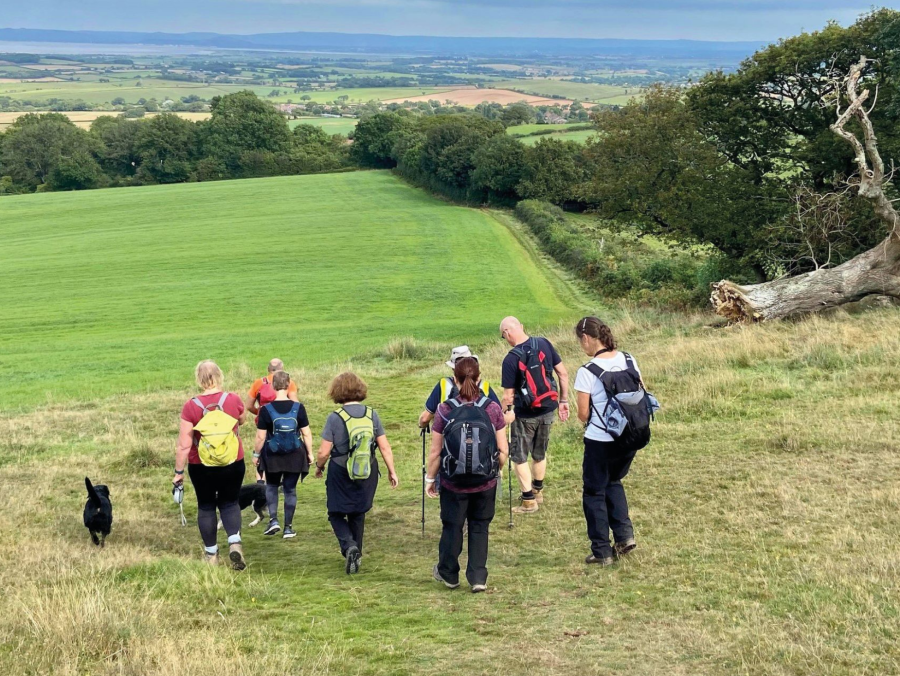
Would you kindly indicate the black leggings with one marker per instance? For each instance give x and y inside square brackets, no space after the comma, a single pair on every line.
[349,529]
[289,481]
[218,487]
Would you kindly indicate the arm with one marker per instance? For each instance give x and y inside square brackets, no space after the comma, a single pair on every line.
[322,457]
[509,395]
[502,446]
[388,456]
[185,439]
[306,433]
[584,406]
[426,417]
[563,377]
[251,405]
[433,464]
[258,444]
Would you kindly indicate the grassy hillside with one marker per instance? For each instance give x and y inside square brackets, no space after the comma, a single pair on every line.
[768,545]
[124,290]
[331,125]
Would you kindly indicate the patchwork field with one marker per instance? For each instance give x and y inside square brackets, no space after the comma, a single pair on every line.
[768,546]
[579,136]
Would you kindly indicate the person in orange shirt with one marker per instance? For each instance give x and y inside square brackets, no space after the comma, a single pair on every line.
[262,393]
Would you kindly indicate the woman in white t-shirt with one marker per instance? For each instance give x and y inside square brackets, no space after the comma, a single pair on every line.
[604,466]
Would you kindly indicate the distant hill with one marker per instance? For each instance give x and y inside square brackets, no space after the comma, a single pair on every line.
[368,43]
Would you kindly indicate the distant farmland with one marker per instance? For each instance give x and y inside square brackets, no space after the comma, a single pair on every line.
[471,96]
[84,118]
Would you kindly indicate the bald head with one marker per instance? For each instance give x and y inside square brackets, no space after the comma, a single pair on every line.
[276,365]
[512,331]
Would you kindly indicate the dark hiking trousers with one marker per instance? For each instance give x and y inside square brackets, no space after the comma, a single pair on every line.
[603,496]
[456,509]
[349,530]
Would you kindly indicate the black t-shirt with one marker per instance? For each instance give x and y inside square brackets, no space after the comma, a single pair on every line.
[264,422]
[511,379]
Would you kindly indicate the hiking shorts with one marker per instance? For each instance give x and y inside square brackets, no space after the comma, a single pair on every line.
[530,436]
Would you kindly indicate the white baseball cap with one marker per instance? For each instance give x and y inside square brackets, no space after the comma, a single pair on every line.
[458,353]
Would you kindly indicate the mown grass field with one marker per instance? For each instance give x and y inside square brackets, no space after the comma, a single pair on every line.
[765,507]
[596,93]
[528,129]
[344,125]
[124,290]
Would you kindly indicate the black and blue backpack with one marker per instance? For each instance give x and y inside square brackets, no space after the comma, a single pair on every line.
[285,431]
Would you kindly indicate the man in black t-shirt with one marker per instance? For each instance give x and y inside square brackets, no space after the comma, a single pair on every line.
[530,427]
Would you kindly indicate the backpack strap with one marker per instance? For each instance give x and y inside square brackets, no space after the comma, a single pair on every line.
[483,402]
[597,371]
[222,399]
[295,409]
[199,403]
[453,403]
[342,412]
[368,414]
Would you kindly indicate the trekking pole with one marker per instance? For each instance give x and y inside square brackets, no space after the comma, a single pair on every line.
[509,470]
[425,431]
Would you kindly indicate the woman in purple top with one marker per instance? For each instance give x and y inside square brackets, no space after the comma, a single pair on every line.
[468,487]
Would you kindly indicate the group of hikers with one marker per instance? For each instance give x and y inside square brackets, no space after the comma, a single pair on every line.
[474,433]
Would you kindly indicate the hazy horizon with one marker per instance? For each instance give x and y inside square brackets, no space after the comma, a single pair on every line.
[708,20]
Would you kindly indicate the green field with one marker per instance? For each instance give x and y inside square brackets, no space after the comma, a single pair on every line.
[359,95]
[765,507]
[579,136]
[95,292]
[528,129]
[332,125]
[597,93]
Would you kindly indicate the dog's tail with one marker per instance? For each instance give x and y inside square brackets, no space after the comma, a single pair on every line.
[92,494]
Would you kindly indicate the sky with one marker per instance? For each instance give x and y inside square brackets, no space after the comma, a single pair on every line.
[647,19]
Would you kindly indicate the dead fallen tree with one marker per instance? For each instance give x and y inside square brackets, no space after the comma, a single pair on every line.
[873,272]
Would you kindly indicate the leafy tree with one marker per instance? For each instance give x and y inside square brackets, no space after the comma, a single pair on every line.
[517,113]
[35,145]
[499,166]
[554,172]
[166,145]
[118,136]
[374,138]
[243,122]
[76,171]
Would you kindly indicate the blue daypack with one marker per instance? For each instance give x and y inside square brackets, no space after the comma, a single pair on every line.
[285,431]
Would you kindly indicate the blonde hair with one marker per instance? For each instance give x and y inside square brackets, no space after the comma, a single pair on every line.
[209,375]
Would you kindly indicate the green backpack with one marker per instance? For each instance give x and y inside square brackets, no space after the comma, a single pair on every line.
[362,443]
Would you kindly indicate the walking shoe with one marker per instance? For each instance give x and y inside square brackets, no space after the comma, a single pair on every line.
[539,496]
[273,527]
[212,559]
[527,507]
[623,548]
[603,561]
[236,554]
[435,573]
[353,557]
[478,588]
[288,532]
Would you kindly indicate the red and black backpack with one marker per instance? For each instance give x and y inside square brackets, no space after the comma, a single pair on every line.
[536,389]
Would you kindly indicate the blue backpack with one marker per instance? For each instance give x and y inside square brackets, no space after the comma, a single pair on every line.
[285,431]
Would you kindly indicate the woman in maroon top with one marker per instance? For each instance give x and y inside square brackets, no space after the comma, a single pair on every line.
[216,487]
[472,503]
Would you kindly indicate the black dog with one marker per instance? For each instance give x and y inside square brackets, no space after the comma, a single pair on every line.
[252,494]
[97,512]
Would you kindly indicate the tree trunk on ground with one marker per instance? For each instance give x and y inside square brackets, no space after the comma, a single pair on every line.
[876,271]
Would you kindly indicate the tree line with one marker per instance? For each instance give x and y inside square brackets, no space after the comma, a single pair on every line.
[244,137]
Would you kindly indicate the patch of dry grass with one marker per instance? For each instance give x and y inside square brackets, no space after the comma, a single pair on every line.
[766,511]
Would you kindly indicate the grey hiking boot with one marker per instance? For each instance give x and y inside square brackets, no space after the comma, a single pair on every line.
[625,547]
[236,555]
[289,532]
[478,588]
[602,561]
[353,558]
[272,528]
[435,573]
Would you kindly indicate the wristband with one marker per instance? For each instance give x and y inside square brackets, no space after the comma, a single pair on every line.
[179,471]
[256,455]
[563,401]
[429,480]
